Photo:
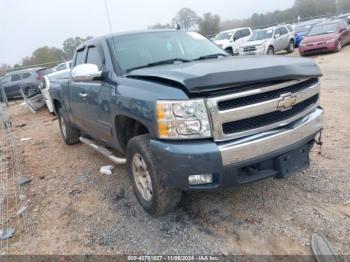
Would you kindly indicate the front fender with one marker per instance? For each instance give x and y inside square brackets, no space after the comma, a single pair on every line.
[137,99]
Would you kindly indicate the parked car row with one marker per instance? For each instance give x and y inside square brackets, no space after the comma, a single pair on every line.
[313,36]
[327,36]
[27,83]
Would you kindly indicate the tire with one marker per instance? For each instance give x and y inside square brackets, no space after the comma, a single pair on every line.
[229,51]
[155,198]
[270,51]
[69,133]
[340,46]
[290,48]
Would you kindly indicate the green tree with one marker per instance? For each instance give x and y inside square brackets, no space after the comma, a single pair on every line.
[44,55]
[343,6]
[186,18]
[70,44]
[209,24]
[311,8]
[4,68]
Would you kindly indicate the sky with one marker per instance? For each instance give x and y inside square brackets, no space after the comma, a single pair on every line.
[28,24]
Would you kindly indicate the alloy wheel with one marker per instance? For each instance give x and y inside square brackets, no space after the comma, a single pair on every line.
[142,177]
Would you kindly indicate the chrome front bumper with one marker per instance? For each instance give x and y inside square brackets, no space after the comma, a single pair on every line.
[268,142]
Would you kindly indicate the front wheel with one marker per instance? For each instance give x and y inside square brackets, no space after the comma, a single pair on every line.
[229,51]
[270,51]
[152,195]
[339,46]
[69,133]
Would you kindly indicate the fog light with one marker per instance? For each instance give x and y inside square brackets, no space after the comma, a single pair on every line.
[200,179]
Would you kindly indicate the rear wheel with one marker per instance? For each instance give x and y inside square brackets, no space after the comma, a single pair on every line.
[69,133]
[290,48]
[152,195]
[270,51]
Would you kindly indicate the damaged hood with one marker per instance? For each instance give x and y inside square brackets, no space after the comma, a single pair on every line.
[216,74]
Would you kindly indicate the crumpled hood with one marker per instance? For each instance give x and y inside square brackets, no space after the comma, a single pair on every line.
[229,72]
[253,43]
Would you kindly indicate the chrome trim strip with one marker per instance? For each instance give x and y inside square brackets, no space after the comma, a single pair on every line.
[264,107]
[268,142]
[257,90]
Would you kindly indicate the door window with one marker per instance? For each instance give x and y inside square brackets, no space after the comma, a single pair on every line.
[245,32]
[25,75]
[277,32]
[237,36]
[94,57]
[15,77]
[283,31]
[61,67]
[80,57]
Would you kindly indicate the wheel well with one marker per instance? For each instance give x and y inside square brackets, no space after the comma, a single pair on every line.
[128,128]
[56,105]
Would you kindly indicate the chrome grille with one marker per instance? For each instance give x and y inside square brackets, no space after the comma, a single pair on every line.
[253,111]
[249,49]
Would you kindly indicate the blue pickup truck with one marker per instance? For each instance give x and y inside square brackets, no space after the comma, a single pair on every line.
[185,116]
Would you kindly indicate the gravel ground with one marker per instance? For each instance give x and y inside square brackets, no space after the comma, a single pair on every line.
[77,210]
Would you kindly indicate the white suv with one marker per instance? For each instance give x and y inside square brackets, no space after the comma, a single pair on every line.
[269,41]
[230,40]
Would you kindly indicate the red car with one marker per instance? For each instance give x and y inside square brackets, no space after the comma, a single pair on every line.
[328,36]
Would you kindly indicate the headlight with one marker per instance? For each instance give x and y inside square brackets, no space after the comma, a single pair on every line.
[183,119]
[331,41]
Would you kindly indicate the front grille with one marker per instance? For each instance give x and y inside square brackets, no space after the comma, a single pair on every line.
[249,100]
[316,50]
[249,49]
[268,119]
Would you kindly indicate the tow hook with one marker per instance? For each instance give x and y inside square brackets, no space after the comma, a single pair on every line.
[319,142]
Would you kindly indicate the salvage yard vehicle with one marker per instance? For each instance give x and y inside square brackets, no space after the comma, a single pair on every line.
[231,39]
[329,36]
[27,79]
[186,116]
[63,66]
[52,79]
[269,41]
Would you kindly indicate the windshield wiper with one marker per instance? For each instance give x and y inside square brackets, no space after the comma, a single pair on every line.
[210,56]
[163,62]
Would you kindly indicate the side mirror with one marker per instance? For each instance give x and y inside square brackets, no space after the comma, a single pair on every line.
[86,73]
[277,35]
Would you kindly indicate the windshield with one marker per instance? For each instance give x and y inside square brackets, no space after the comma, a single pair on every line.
[323,29]
[302,28]
[223,36]
[135,50]
[260,35]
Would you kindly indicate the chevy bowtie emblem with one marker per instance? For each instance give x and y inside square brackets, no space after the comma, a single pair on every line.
[286,102]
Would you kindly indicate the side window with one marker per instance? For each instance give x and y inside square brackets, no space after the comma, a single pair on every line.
[94,57]
[277,32]
[80,57]
[15,77]
[238,35]
[61,67]
[245,33]
[25,75]
[283,31]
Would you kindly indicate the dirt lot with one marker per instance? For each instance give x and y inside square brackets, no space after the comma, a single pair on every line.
[74,209]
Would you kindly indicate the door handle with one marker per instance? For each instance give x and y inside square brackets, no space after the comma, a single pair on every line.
[83,95]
